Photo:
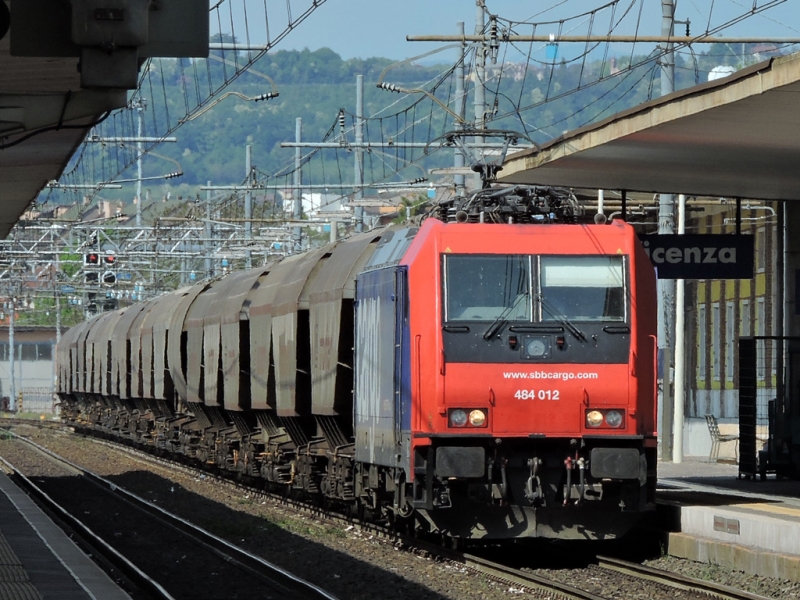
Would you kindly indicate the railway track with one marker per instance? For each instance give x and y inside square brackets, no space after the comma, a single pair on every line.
[675,580]
[235,570]
[538,584]
[662,583]
[136,578]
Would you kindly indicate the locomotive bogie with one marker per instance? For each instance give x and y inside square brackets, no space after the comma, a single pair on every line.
[482,381]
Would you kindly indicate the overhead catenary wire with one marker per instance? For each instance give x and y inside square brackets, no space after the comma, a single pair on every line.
[412,114]
[153,75]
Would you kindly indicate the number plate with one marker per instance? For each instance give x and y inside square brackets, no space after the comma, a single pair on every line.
[537,395]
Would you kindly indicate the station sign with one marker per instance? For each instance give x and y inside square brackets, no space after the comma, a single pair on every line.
[699,256]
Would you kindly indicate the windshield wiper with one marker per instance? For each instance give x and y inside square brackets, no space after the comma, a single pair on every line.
[561,319]
[502,318]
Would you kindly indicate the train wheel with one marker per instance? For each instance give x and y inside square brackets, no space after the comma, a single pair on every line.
[450,542]
[360,511]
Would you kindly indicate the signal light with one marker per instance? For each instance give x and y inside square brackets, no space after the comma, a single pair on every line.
[91,258]
[110,259]
[109,278]
[91,277]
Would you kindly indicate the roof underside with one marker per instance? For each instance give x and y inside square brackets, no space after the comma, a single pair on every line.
[36,95]
[734,137]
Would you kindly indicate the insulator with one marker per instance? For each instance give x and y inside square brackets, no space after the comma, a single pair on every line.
[267,96]
[494,45]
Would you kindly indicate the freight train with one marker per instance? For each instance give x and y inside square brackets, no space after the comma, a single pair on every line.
[486,374]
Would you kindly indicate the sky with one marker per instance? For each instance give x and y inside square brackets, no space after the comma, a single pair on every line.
[365,28]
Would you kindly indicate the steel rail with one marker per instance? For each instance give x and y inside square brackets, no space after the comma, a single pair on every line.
[676,580]
[492,570]
[495,571]
[300,588]
[134,574]
[529,580]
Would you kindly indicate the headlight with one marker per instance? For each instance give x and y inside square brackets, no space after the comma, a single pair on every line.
[467,417]
[458,418]
[477,418]
[605,418]
[594,418]
[614,418]
[536,347]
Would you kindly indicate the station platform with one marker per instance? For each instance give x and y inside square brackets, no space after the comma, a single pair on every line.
[712,516]
[38,561]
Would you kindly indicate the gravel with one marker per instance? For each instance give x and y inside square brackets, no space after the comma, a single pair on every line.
[349,563]
[779,589]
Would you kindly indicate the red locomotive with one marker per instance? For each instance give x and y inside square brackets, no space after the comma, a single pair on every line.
[481,376]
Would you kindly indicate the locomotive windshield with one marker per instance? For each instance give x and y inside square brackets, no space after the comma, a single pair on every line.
[573,288]
[485,288]
[582,288]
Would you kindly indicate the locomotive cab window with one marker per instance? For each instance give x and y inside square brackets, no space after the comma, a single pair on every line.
[581,288]
[486,288]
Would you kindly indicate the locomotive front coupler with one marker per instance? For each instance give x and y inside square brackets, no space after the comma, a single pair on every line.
[497,492]
[581,464]
[533,487]
[568,486]
[504,479]
[442,497]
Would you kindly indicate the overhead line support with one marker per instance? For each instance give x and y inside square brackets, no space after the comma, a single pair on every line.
[657,39]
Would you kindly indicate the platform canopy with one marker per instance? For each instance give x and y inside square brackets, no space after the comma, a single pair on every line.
[44,117]
[733,137]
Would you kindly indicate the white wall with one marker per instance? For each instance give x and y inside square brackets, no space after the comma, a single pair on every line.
[697,439]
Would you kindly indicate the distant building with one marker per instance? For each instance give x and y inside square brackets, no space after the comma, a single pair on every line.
[720,71]
[513,71]
[315,203]
[764,51]
[34,367]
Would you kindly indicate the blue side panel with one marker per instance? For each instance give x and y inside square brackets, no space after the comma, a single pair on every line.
[403,353]
[374,398]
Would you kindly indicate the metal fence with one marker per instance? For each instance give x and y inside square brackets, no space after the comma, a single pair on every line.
[37,400]
[762,395]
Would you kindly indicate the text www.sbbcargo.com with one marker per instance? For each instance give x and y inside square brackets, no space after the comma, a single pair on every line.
[548,375]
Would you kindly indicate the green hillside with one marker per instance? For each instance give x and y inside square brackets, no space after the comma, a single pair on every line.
[316,85]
